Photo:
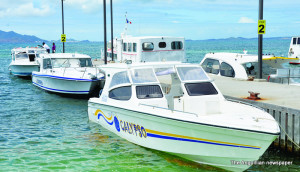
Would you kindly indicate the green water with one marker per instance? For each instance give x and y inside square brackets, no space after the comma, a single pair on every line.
[40,131]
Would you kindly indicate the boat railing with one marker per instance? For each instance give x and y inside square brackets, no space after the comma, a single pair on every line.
[241,102]
[286,73]
[153,106]
[83,72]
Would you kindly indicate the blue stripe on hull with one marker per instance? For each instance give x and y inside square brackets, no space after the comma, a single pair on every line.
[58,90]
[196,141]
[65,78]
[21,74]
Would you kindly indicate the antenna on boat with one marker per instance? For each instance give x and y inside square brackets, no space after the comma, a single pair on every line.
[126,25]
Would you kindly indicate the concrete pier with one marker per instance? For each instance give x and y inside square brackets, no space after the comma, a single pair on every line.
[281,101]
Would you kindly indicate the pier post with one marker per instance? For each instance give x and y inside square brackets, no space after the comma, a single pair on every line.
[104,20]
[112,31]
[260,41]
[63,22]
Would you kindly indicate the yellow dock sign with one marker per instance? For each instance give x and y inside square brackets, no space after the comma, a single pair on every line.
[63,37]
[261,26]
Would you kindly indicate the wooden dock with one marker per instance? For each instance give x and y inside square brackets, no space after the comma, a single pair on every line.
[281,101]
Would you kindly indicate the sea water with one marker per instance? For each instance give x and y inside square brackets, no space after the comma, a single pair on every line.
[40,131]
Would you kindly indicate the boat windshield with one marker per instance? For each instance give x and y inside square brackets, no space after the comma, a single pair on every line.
[119,78]
[143,76]
[64,62]
[38,52]
[22,56]
[85,62]
[192,74]
[30,51]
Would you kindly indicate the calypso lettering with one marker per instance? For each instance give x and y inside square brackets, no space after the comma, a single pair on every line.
[132,128]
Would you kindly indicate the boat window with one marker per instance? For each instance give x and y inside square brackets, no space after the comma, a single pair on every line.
[57,63]
[226,70]
[294,41]
[176,45]
[22,56]
[148,46]
[30,51]
[298,42]
[191,74]
[143,76]
[129,47]
[119,78]
[162,45]
[41,52]
[148,92]
[211,66]
[200,89]
[124,46]
[47,64]
[85,62]
[121,93]
[134,47]
[31,57]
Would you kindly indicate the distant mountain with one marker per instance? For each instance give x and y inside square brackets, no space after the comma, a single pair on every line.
[13,37]
[239,38]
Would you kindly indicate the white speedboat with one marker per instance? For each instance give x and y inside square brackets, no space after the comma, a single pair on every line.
[147,48]
[294,50]
[25,60]
[176,108]
[240,66]
[67,73]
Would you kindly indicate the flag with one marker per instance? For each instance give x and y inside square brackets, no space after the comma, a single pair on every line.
[127,21]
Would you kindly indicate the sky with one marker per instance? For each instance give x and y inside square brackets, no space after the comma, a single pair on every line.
[192,19]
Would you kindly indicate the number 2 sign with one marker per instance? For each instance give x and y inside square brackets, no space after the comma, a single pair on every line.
[261,26]
[63,37]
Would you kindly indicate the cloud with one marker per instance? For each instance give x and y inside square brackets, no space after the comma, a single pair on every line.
[246,20]
[25,10]
[87,6]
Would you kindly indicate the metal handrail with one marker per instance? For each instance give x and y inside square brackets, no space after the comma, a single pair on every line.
[168,109]
[245,103]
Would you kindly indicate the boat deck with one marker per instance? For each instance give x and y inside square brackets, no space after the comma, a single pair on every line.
[272,93]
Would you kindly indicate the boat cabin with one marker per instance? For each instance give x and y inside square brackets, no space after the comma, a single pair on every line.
[147,49]
[294,50]
[65,60]
[178,87]
[27,53]
[240,66]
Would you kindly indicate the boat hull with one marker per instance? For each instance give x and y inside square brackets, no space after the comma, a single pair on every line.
[65,85]
[23,70]
[223,147]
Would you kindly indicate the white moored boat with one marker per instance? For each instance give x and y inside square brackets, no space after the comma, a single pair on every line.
[147,48]
[176,108]
[25,60]
[67,73]
[294,50]
[240,66]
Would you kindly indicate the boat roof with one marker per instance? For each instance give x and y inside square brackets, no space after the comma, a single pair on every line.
[26,49]
[236,57]
[118,67]
[151,37]
[64,55]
